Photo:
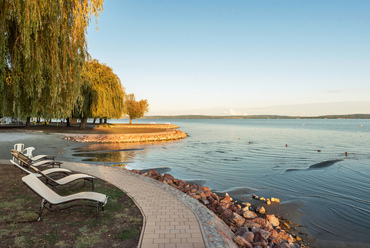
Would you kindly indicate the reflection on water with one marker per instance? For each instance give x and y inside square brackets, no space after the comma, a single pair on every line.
[277,158]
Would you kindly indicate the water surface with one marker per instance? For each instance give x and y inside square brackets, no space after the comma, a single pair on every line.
[294,160]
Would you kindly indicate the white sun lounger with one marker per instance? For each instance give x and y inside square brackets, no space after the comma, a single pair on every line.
[28,153]
[46,172]
[51,198]
[53,182]
[25,160]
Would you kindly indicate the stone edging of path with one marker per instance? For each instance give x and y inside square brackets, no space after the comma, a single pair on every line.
[122,138]
[215,232]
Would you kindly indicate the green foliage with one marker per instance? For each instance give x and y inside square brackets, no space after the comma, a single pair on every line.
[103,93]
[42,50]
[136,109]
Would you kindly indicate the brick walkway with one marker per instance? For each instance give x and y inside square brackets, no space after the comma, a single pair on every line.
[171,218]
[167,221]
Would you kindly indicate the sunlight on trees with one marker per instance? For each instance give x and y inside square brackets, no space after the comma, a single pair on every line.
[136,109]
[42,51]
[102,93]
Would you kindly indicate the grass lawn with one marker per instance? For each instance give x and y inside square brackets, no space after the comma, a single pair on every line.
[119,225]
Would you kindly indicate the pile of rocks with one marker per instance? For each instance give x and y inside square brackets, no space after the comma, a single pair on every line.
[122,138]
[251,225]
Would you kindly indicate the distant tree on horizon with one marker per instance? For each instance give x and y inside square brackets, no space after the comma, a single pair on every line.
[136,109]
[42,50]
[102,93]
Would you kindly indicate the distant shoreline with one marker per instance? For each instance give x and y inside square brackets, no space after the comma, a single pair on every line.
[349,116]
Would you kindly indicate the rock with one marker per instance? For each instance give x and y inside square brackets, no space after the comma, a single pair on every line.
[250,224]
[208,193]
[273,220]
[268,201]
[238,220]
[204,201]
[258,237]
[260,244]
[152,173]
[168,176]
[242,242]
[196,197]
[241,230]
[193,190]
[249,214]
[255,197]
[206,189]
[248,236]
[202,195]
[275,200]
[246,208]
[226,199]
[226,215]
[262,199]
[261,210]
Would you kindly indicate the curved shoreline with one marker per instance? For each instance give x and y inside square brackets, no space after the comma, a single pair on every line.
[125,138]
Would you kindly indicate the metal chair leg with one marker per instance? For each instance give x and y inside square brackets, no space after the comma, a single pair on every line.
[41,209]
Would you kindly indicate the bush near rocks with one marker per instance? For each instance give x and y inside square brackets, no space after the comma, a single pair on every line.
[251,226]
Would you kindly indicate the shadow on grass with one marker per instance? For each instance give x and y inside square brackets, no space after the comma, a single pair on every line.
[119,225]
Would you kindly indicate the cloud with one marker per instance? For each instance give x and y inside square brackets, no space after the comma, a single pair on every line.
[233,112]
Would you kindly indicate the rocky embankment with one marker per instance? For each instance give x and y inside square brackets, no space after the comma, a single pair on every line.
[121,138]
[250,224]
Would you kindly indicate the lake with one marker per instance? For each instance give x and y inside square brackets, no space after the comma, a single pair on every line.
[299,160]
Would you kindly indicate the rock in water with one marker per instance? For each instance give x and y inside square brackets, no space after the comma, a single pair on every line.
[261,210]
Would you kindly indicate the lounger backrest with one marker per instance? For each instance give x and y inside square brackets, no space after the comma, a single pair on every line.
[19,147]
[21,157]
[41,189]
[28,151]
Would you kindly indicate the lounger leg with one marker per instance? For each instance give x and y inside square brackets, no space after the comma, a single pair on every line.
[97,210]
[41,209]
[92,184]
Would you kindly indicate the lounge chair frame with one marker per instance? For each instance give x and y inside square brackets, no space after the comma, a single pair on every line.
[27,161]
[30,180]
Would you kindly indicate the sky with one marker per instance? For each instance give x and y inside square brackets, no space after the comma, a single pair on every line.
[238,57]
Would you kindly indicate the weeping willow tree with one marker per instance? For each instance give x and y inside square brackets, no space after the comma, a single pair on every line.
[42,51]
[136,109]
[103,94]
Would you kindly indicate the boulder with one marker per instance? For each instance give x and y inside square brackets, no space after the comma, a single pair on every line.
[249,214]
[250,224]
[261,210]
[168,176]
[241,230]
[242,242]
[248,236]
[273,220]
[275,200]
[238,220]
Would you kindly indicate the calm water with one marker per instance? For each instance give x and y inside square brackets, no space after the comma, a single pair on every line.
[270,158]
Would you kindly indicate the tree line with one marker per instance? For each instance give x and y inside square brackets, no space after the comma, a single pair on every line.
[45,69]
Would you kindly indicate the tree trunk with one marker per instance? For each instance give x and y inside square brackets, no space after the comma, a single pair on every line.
[38,120]
[28,122]
[101,121]
[94,121]
[105,120]
[68,124]
[83,123]
[130,120]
